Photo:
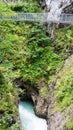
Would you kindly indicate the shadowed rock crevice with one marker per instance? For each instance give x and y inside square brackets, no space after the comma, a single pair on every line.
[32,94]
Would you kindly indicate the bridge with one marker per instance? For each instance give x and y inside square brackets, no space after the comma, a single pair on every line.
[38,17]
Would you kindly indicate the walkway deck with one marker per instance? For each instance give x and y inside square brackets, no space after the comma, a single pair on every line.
[39,17]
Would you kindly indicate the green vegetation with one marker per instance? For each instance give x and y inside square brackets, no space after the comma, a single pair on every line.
[26,6]
[64,92]
[26,51]
[64,84]
[64,40]
[39,56]
[13,41]
[8,100]
[69,125]
[44,91]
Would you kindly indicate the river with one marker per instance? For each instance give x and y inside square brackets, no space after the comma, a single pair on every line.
[28,118]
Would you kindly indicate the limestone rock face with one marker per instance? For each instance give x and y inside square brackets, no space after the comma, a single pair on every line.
[56,122]
[55,8]
[41,107]
[69,9]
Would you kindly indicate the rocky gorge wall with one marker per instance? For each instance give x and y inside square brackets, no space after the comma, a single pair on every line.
[46,105]
[52,95]
[56,117]
[54,7]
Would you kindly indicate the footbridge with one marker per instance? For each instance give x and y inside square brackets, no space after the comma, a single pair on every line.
[38,17]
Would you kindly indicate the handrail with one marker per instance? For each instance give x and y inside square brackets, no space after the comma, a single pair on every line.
[38,17]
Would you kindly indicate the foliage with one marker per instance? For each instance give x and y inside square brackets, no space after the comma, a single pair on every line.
[64,92]
[12,43]
[69,125]
[44,91]
[26,51]
[64,41]
[39,55]
[26,6]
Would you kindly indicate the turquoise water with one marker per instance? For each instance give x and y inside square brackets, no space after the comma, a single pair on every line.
[28,118]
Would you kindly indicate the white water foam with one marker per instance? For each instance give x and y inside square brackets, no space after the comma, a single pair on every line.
[28,118]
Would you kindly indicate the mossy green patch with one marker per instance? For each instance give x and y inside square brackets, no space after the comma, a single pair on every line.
[64,92]
[44,91]
[64,40]
[69,124]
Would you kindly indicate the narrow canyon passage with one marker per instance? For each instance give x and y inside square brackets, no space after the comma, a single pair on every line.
[28,118]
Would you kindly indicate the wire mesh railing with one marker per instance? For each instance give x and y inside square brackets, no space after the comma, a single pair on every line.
[38,17]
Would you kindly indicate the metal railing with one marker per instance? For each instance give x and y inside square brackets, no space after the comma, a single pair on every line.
[38,17]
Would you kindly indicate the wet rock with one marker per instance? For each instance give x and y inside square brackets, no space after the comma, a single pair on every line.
[41,107]
[32,93]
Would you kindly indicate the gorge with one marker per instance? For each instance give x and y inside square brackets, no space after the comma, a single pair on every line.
[33,67]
